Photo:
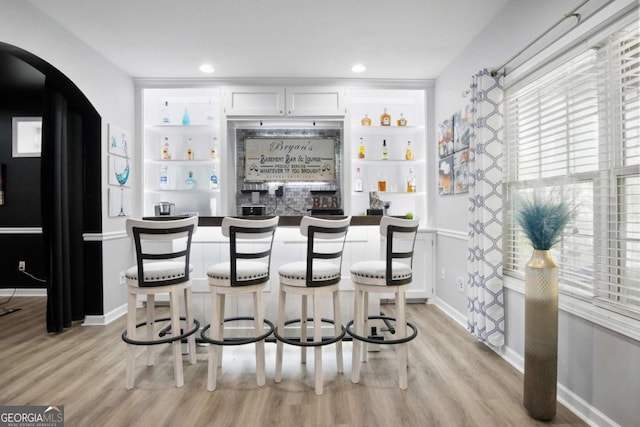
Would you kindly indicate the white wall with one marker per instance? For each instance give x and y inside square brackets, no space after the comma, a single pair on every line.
[598,369]
[108,88]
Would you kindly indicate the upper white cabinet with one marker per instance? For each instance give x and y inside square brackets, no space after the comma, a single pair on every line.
[254,101]
[298,101]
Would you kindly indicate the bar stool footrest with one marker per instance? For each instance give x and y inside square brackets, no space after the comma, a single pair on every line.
[298,342]
[349,328]
[168,340]
[238,341]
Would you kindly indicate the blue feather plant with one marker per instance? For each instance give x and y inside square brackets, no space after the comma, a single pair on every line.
[543,219]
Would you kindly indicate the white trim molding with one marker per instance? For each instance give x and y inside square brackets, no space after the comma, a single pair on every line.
[20,230]
[454,234]
[102,237]
[24,292]
[105,319]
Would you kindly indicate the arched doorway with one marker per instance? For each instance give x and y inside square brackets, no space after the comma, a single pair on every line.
[69,188]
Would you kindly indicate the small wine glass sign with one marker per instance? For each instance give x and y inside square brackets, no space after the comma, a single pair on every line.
[119,140]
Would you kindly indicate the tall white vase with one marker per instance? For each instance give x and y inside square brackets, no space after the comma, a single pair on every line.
[541,336]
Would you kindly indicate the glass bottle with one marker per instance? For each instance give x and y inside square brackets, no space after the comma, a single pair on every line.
[164,177]
[357,183]
[214,150]
[165,113]
[165,153]
[210,113]
[408,155]
[190,183]
[402,121]
[382,183]
[213,178]
[190,153]
[385,153]
[411,182]
[186,121]
[361,149]
[385,119]
[366,121]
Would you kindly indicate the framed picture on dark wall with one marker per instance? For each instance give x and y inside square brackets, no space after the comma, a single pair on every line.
[26,136]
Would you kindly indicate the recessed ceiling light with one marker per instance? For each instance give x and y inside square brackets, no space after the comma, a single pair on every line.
[358,68]
[207,68]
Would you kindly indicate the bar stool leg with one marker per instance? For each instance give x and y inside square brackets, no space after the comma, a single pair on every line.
[151,316]
[131,333]
[357,344]
[189,316]
[338,330]
[175,329]
[214,332]
[401,327]
[279,344]
[303,330]
[259,326]
[317,337]
[365,325]
[220,307]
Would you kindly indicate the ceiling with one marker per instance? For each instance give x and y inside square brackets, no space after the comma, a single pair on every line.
[407,39]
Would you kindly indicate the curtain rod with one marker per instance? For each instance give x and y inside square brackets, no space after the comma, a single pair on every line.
[572,14]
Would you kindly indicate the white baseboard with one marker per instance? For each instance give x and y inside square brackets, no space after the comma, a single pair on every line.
[105,319]
[569,399]
[24,292]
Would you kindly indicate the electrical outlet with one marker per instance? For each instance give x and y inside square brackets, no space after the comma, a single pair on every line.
[443,274]
[123,279]
[460,282]
[22,265]
[279,191]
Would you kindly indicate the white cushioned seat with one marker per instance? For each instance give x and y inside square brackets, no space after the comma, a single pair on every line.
[374,272]
[157,272]
[220,274]
[294,273]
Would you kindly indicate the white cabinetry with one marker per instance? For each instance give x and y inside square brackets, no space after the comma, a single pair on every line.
[186,124]
[295,101]
[396,169]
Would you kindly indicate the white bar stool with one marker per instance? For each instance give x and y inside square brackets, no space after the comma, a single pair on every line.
[247,272]
[319,275]
[162,254]
[385,276]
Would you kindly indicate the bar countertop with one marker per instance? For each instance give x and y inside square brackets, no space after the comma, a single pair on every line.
[285,220]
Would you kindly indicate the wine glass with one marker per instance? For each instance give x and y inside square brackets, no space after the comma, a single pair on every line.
[122,176]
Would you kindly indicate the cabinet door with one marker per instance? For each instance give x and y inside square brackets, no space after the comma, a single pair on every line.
[254,101]
[315,101]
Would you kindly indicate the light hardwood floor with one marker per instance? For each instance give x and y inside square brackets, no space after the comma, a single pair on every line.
[453,381]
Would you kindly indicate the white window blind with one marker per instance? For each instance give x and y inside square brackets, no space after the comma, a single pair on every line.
[575,133]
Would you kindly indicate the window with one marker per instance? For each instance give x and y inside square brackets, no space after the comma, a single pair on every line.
[575,132]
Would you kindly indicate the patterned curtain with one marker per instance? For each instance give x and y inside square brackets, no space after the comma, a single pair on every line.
[485,308]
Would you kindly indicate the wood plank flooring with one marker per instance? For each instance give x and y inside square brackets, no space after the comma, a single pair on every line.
[453,381]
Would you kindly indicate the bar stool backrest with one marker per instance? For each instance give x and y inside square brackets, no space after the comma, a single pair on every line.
[400,237]
[325,243]
[162,244]
[249,239]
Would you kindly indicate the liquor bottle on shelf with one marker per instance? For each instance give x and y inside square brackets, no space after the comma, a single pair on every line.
[186,120]
[165,113]
[411,182]
[366,121]
[165,153]
[164,177]
[361,149]
[190,153]
[385,152]
[210,113]
[214,148]
[402,121]
[408,154]
[382,183]
[385,119]
[213,178]
[190,183]
[357,183]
